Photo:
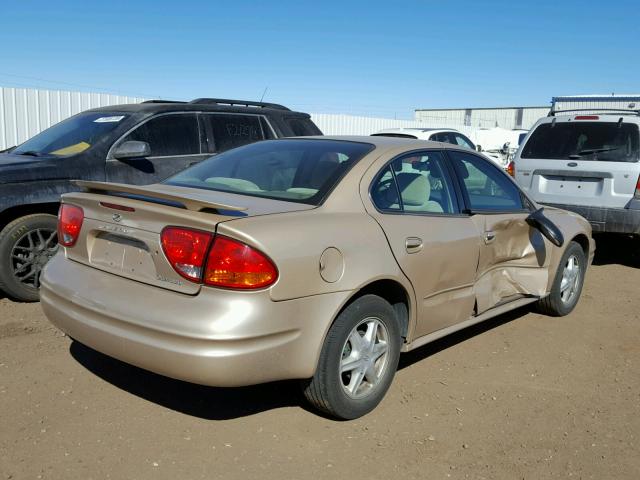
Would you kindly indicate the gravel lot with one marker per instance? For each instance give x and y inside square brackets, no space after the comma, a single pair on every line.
[520,397]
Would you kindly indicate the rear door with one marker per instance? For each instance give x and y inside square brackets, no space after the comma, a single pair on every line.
[175,143]
[435,245]
[513,256]
[587,160]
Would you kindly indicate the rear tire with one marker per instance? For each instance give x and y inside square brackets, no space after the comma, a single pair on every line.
[26,245]
[358,360]
[567,285]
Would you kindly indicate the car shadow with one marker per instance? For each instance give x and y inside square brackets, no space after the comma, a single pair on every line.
[213,403]
[617,250]
[209,403]
[430,349]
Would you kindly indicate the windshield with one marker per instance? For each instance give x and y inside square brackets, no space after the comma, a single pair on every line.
[603,141]
[71,136]
[302,171]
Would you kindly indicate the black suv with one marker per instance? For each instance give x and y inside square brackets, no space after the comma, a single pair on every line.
[139,143]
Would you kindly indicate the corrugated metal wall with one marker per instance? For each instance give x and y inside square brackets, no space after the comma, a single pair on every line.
[509,118]
[25,112]
[332,124]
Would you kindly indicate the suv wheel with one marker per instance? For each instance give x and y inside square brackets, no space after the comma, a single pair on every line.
[26,245]
[358,359]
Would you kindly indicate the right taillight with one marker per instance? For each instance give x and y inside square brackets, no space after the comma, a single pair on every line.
[186,250]
[236,265]
[637,194]
[70,220]
[511,168]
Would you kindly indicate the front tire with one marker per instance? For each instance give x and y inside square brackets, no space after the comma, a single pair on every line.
[358,360]
[26,245]
[567,285]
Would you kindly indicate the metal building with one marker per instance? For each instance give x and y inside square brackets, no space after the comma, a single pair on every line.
[596,103]
[25,112]
[504,117]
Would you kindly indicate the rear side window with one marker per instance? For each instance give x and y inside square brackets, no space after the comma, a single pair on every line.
[296,170]
[231,131]
[416,183]
[302,127]
[602,141]
[169,135]
[463,141]
[485,187]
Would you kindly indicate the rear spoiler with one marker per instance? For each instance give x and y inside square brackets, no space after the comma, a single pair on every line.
[154,191]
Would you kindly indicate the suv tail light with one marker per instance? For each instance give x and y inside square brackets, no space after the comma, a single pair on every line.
[232,264]
[511,168]
[70,220]
[186,250]
[637,194]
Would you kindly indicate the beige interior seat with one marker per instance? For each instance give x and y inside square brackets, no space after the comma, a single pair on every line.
[415,190]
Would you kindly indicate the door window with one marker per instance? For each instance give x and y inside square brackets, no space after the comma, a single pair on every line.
[230,131]
[463,141]
[169,135]
[416,183]
[486,187]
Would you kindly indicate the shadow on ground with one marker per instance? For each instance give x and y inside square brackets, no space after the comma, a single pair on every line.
[212,403]
[617,249]
[422,353]
[209,403]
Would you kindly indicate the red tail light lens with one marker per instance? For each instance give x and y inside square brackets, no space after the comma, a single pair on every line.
[587,117]
[511,168]
[233,264]
[186,250]
[70,220]
[637,194]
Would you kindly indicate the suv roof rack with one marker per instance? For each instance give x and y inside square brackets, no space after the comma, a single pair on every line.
[163,101]
[596,111]
[246,103]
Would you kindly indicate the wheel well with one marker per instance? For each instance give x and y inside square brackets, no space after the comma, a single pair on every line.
[394,293]
[10,214]
[583,241]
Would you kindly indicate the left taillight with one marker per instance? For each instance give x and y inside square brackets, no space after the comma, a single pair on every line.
[70,218]
[637,194]
[186,250]
[511,168]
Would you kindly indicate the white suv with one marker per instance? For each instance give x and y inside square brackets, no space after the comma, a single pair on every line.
[586,163]
[444,135]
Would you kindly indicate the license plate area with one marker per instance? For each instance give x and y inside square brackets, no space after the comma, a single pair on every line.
[572,186]
[128,256]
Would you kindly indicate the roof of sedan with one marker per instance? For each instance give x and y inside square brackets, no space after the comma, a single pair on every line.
[383,142]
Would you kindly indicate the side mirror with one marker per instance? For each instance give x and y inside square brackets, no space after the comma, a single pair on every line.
[132,149]
[546,227]
[478,148]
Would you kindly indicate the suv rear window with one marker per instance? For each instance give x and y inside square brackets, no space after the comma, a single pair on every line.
[302,171]
[603,141]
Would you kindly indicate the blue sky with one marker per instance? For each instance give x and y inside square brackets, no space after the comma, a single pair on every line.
[361,57]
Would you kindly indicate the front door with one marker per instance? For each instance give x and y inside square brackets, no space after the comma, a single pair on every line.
[513,255]
[436,246]
[175,144]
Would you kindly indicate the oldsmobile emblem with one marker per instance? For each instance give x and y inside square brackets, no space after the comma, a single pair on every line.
[116,217]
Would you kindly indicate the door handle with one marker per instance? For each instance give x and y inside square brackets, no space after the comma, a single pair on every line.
[413,244]
[489,237]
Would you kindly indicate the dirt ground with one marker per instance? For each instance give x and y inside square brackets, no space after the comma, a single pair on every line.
[521,397]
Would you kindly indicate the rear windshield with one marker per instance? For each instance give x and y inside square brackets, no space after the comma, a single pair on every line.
[296,170]
[603,141]
[71,136]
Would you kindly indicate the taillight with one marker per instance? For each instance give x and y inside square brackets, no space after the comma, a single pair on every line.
[511,168]
[637,194]
[587,117]
[186,250]
[233,264]
[70,220]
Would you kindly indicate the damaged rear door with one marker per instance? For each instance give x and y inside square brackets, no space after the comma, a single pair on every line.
[513,256]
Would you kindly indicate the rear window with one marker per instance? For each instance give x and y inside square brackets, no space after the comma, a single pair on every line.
[302,171]
[602,141]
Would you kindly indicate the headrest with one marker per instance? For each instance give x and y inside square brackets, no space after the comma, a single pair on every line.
[414,188]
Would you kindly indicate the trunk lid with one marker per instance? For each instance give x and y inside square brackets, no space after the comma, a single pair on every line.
[122,225]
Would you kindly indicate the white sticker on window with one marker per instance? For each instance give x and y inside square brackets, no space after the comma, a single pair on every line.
[116,118]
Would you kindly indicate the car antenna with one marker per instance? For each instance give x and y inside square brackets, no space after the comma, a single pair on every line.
[264,93]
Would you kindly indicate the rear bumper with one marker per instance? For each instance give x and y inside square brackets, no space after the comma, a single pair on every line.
[219,338]
[609,220]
